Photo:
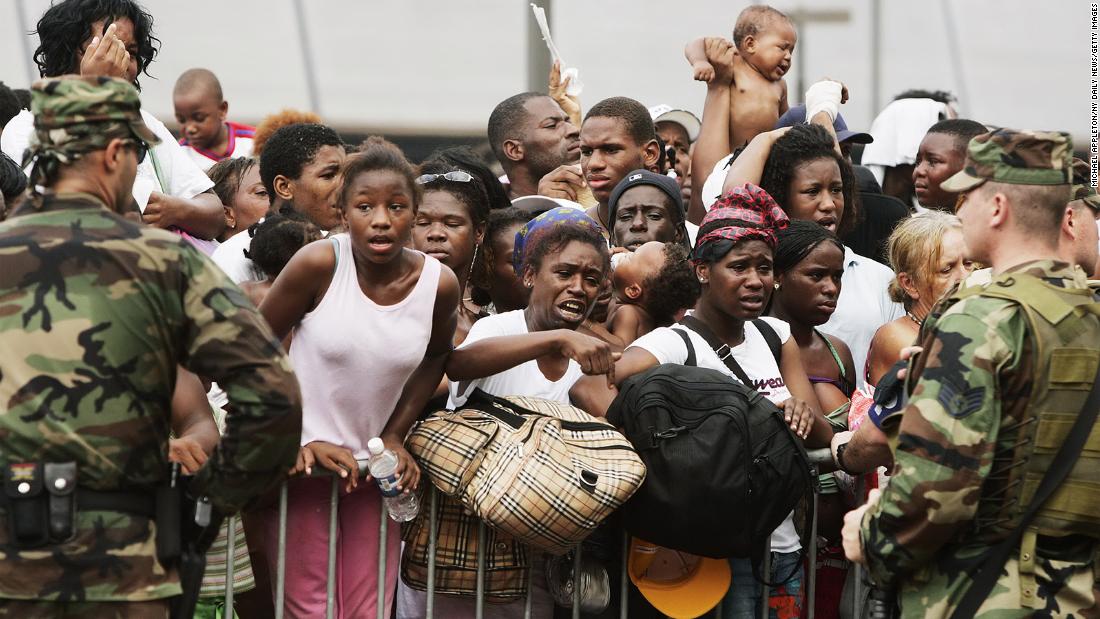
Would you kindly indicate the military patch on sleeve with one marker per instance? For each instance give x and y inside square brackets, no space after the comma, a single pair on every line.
[958,402]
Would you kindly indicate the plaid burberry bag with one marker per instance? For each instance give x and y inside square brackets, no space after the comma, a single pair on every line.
[544,472]
[456,548]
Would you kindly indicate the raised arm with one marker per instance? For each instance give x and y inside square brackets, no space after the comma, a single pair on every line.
[749,165]
[714,135]
[421,384]
[696,53]
[569,104]
[823,101]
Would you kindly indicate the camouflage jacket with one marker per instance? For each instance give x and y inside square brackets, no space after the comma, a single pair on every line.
[974,377]
[96,312]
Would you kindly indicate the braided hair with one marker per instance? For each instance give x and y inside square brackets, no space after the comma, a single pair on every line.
[277,237]
[798,240]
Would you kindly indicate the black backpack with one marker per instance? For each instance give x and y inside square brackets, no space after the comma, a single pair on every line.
[723,468]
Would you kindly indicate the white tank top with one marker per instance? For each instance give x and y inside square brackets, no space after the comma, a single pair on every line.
[353,356]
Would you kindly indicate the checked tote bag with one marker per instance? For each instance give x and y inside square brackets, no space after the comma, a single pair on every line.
[544,472]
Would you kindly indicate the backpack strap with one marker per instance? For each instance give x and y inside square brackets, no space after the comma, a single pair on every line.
[691,361]
[772,338]
[724,352]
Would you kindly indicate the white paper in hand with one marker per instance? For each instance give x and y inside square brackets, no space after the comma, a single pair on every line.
[575,86]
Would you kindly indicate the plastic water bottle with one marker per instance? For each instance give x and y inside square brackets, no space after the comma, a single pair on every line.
[383,467]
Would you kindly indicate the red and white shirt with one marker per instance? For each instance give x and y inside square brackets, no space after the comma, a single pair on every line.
[239,145]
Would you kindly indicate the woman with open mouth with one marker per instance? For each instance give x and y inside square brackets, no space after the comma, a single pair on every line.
[373,324]
[561,256]
[733,259]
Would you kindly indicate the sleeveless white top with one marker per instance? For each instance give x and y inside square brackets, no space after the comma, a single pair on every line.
[353,356]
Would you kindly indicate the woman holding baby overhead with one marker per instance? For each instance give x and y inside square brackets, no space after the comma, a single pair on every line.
[746,93]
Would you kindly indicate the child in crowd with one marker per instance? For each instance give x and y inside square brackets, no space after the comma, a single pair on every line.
[652,285]
[200,111]
[359,291]
[500,287]
[244,198]
[763,43]
[275,240]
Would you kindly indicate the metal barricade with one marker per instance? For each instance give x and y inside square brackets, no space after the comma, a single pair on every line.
[433,505]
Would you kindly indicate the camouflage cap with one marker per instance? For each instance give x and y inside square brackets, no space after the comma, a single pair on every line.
[76,115]
[71,101]
[1083,188]
[1017,157]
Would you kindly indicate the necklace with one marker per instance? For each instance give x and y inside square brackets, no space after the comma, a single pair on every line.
[914,319]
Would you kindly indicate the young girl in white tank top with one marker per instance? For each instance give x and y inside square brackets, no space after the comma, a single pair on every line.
[373,323]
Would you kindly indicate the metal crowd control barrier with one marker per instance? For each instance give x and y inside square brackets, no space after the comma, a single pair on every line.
[817,457]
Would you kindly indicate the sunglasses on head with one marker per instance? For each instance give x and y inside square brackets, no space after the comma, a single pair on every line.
[457,176]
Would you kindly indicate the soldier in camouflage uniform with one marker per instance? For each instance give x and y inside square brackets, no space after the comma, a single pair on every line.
[96,311]
[977,433]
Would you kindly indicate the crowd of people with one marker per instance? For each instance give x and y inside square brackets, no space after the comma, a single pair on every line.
[157,290]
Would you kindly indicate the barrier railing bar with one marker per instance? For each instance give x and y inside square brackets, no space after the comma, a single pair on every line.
[577,583]
[624,580]
[811,563]
[479,601]
[822,459]
[383,529]
[530,590]
[859,593]
[433,532]
[280,567]
[330,589]
[766,572]
[230,563]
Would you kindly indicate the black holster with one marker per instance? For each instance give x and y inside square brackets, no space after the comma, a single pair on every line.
[41,503]
[882,603]
[197,528]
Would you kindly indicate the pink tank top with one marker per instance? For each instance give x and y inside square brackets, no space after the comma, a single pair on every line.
[353,356]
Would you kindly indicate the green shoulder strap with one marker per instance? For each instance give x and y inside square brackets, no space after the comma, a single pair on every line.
[157,170]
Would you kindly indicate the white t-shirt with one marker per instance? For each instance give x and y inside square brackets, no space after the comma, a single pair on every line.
[230,257]
[755,358]
[179,176]
[240,139]
[525,379]
[712,187]
[864,306]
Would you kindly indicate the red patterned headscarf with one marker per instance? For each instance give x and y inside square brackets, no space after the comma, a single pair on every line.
[745,212]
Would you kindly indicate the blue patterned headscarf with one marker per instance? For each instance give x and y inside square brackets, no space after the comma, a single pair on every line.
[561,216]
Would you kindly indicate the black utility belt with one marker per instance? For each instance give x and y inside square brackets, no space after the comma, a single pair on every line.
[42,499]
